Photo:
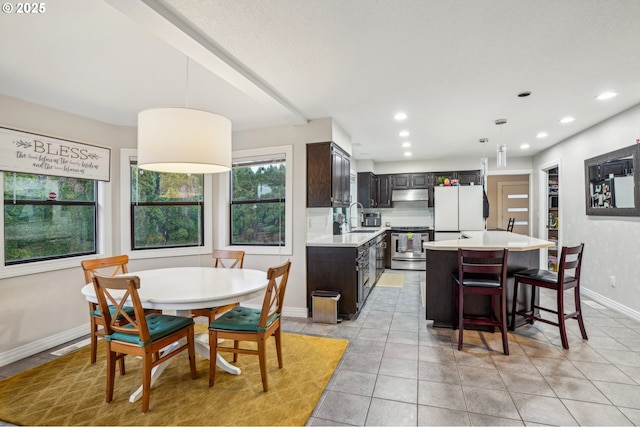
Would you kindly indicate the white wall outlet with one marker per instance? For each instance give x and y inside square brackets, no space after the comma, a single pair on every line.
[612,281]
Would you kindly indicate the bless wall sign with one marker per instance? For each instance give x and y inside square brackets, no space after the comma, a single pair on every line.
[38,154]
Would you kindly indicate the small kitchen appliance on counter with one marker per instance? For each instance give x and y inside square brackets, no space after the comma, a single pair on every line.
[372,219]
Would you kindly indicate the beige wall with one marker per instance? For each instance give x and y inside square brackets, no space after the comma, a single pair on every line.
[41,310]
[45,307]
[611,243]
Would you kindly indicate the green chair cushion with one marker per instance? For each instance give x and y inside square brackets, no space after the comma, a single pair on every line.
[241,319]
[112,310]
[160,325]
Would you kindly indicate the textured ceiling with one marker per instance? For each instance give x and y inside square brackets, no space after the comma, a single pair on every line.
[454,67]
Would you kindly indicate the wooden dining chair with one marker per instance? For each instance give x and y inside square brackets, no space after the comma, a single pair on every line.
[221,259]
[145,335]
[482,273]
[250,324]
[115,265]
[568,277]
[512,222]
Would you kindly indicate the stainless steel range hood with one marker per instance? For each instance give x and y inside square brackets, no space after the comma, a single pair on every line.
[413,195]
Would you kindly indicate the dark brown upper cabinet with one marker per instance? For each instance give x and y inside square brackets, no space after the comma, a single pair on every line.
[368,190]
[409,180]
[328,176]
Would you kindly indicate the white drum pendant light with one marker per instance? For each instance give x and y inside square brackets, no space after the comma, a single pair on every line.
[183,140]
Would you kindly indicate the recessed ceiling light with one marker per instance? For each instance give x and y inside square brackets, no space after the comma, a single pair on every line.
[404,133]
[606,95]
[567,119]
[400,116]
[542,135]
[408,154]
[406,144]
[524,146]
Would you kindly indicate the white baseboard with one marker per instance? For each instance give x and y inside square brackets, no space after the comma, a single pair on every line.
[287,312]
[44,344]
[609,303]
[47,343]
[295,312]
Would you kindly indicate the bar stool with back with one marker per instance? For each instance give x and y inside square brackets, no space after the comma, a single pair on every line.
[512,222]
[570,259]
[482,273]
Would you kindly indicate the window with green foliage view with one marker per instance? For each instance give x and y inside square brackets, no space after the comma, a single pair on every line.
[48,217]
[258,202]
[167,209]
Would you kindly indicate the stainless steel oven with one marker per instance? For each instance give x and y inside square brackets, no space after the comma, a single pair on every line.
[407,252]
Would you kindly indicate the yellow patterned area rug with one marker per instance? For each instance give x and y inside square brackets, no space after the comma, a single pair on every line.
[391,280]
[71,391]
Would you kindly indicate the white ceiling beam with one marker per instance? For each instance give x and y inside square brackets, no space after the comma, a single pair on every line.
[178,33]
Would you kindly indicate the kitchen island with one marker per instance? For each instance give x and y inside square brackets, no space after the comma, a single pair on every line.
[441,259]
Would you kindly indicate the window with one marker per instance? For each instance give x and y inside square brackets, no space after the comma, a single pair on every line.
[258,202]
[259,215]
[167,209]
[48,217]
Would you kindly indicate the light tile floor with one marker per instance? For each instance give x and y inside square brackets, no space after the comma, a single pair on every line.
[399,370]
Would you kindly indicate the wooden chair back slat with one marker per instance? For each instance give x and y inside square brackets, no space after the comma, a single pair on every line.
[127,287]
[274,295]
[105,266]
[117,265]
[570,259]
[121,290]
[271,305]
[492,263]
[227,258]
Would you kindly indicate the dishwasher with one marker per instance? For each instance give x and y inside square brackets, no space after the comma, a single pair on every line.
[364,273]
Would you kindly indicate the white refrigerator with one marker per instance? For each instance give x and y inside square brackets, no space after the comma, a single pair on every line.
[458,208]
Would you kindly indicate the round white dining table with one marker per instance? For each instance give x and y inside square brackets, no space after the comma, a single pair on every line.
[181,289]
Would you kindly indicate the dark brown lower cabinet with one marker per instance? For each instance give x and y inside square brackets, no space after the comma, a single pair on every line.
[334,269]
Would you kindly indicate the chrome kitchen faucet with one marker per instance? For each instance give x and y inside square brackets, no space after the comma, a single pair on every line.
[359,217]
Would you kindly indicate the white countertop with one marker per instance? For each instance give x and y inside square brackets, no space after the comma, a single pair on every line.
[490,240]
[348,239]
